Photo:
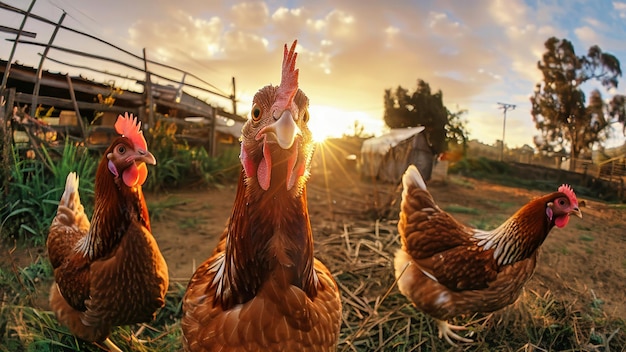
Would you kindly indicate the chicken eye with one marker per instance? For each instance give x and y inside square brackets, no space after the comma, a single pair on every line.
[561,202]
[121,149]
[305,118]
[256,113]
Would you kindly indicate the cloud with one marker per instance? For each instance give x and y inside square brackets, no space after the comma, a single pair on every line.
[348,55]
[249,16]
[620,7]
[181,34]
[350,51]
[586,34]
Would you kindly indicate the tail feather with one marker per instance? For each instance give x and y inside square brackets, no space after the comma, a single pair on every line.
[413,177]
[70,197]
[69,225]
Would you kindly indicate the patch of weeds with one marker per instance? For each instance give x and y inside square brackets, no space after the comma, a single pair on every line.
[586,238]
[459,181]
[564,250]
[190,223]
[460,209]
[34,190]
[182,165]
[158,210]
[36,272]
[485,224]
[498,204]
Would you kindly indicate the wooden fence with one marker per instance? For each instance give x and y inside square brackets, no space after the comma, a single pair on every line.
[150,105]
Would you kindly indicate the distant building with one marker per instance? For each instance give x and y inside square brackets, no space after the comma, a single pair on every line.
[387,157]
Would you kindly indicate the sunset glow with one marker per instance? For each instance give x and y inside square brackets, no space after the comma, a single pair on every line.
[330,122]
[348,53]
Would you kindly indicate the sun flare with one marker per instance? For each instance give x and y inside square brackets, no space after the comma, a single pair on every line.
[330,122]
[323,122]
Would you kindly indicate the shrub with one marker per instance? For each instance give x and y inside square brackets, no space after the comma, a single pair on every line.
[179,164]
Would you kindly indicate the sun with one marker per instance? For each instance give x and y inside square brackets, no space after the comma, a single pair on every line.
[326,122]
[331,122]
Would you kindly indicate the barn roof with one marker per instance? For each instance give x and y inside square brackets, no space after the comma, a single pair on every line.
[381,145]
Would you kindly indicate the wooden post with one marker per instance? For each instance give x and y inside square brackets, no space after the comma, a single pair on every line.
[33,106]
[7,70]
[213,142]
[233,98]
[179,91]
[148,91]
[7,139]
[79,119]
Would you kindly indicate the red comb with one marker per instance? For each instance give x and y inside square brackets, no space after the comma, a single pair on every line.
[569,192]
[289,80]
[130,127]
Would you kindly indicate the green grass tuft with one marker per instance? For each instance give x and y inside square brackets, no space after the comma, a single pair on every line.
[460,209]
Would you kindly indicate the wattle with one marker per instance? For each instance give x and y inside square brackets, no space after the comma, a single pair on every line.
[561,221]
[263,170]
[135,175]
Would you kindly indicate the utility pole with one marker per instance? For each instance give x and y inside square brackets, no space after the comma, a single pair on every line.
[504,107]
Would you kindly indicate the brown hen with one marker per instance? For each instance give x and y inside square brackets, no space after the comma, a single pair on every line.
[262,289]
[108,272]
[448,269]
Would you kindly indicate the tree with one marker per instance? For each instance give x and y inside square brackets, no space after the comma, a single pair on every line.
[456,130]
[423,108]
[566,124]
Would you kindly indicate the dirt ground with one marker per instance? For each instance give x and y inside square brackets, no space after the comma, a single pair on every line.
[583,263]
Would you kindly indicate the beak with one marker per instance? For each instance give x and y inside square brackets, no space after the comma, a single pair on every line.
[145,156]
[284,130]
[577,212]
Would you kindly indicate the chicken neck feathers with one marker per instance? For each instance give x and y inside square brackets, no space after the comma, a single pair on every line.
[262,289]
[113,200]
[264,234]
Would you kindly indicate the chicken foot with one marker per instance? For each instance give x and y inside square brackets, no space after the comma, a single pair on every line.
[134,337]
[446,331]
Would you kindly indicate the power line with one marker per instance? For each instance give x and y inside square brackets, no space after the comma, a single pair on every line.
[504,107]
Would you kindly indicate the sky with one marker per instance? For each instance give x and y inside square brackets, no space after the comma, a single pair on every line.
[478,53]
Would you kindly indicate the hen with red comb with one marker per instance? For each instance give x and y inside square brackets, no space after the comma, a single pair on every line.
[447,269]
[108,271]
[262,289]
